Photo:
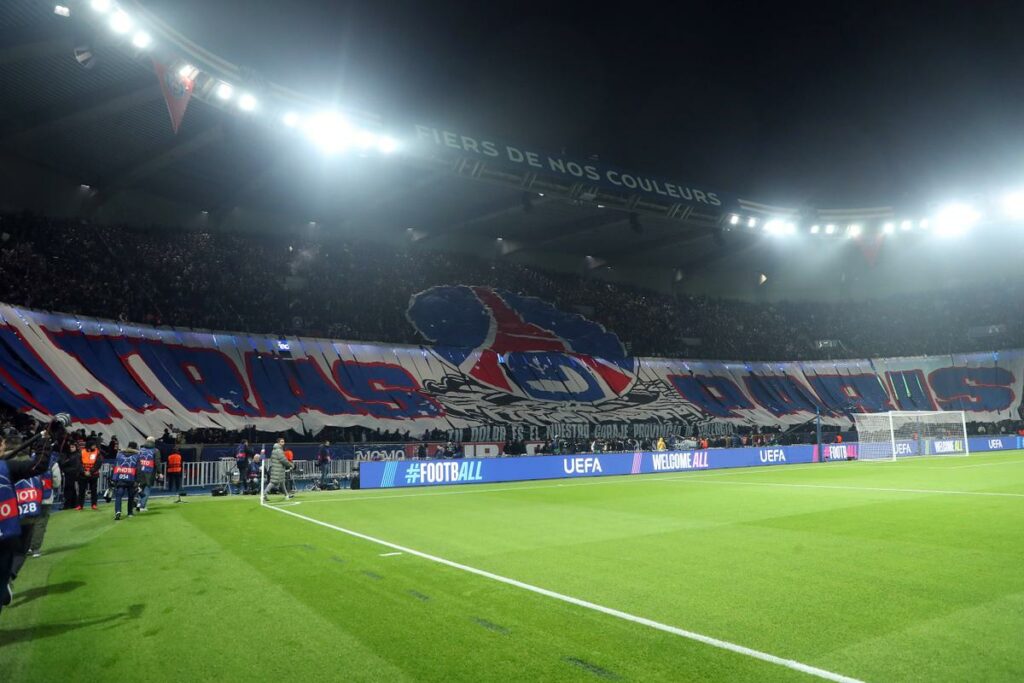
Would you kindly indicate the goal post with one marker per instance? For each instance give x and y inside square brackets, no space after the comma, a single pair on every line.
[903,433]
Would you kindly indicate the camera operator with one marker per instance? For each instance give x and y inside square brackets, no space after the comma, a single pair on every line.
[12,472]
[149,464]
[123,478]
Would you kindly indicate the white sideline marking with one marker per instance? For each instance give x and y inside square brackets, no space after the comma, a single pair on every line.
[986,464]
[389,554]
[466,489]
[707,640]
[857,488]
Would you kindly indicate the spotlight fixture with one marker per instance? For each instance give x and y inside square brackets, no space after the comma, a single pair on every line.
[121,22]
[247,102]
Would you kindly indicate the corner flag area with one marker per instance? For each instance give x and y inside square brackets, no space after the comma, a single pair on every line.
[836,571]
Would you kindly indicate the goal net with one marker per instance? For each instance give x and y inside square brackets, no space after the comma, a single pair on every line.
[897,434]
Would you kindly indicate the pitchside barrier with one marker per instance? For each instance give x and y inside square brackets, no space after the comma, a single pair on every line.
[403,473]
[208,474]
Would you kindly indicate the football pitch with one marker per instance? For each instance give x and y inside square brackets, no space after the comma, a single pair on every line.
[837,571]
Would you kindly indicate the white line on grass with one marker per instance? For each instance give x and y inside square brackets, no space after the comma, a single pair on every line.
[985,464]
[712,477]
[470,489]
[643,621]
[390,554]
[696,480]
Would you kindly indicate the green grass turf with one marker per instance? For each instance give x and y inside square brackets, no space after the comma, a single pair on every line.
[805,562]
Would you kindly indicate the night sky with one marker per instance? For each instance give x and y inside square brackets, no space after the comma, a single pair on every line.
[827,103]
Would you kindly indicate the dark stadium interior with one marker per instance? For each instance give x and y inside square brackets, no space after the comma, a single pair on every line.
[710,313]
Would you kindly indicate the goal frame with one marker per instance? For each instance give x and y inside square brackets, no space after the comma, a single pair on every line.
[892,431]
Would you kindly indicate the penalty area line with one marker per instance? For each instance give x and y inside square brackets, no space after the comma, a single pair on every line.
[586,604]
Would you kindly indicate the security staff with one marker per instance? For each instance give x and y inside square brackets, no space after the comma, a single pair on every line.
[149,463]
[123,478]
[323,461]
[174,474]
[243,456]
[71,468]
[92,461]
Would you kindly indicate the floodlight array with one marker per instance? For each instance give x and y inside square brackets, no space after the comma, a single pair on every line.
[328,131]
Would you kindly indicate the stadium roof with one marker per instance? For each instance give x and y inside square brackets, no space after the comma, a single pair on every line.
[81,101]
[101,120]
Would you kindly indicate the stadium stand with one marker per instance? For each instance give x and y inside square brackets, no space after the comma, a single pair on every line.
[163,276]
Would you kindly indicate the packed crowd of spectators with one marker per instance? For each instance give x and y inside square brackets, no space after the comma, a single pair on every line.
[321,287]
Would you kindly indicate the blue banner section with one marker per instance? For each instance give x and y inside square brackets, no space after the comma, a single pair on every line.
[402,473]
[982,444]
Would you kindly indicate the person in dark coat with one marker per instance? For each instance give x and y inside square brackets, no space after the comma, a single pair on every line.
[279,467]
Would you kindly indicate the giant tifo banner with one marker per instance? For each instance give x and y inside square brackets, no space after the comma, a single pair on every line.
[499,366]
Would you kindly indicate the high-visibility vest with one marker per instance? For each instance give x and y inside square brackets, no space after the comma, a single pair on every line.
[89,458]
[289,455]
[173,464]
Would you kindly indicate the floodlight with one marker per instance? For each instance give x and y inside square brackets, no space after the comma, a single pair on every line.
[329,132]
[1013,204]
[121,22]
[907,225]
[774,227]
[751,222]
[188,72]
[101,6]
[142,40]
[734,219]
[923,223]
[830,229]
[62,11]
[225,91]
[889,228]
[290,119]
[853,230]
[387,145]
[246,102]
[365,139]
[815,229]
[955,219]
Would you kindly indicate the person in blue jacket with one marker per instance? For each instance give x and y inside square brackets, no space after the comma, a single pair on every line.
[123,478]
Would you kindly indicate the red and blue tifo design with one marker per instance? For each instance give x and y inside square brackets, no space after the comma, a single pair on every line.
[522,345]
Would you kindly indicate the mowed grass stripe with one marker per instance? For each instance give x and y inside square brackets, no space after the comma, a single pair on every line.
[632,618]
